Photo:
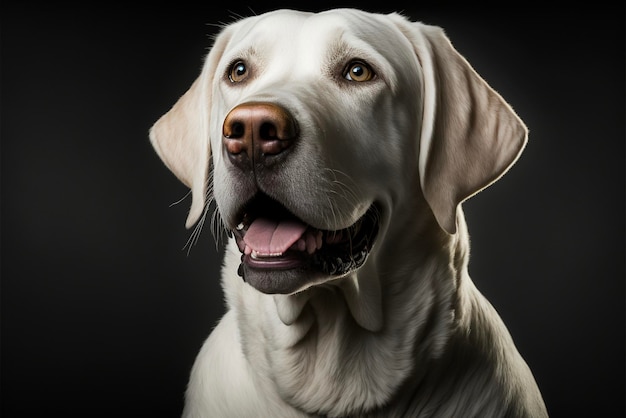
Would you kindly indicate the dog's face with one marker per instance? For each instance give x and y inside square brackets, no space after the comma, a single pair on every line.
[315,190]
[321,126]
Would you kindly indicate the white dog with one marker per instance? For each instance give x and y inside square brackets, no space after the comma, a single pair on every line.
[339,147]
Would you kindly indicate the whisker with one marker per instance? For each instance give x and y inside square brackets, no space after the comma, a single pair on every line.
[343,191]
[195,234]
[341,188]
[181,199]
[194,237]
[217,226]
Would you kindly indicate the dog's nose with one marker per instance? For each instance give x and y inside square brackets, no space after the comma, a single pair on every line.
[255,132]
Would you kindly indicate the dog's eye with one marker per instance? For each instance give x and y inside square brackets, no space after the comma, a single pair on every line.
[238,72]
[358,71]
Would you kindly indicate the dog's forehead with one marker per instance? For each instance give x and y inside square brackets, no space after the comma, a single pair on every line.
[296,22]
[289,32]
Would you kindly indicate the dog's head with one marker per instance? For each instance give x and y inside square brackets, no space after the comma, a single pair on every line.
[320,126]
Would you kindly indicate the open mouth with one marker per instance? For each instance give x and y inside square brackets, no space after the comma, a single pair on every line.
[271,238]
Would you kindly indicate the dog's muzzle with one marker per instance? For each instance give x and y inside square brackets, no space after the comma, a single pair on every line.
[280,252]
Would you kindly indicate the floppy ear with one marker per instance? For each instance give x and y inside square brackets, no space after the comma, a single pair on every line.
[181,136]
[181,139]
[470,136]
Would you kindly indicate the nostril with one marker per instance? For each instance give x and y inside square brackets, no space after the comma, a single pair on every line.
[268,131]
[237,130]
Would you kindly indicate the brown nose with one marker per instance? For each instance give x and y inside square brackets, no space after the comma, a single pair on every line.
[257,132]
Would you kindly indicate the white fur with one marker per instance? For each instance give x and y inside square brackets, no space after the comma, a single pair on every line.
[407,334]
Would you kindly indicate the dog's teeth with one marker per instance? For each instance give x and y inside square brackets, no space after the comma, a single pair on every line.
[318,240]
[311,243]
[255,255]
[240,226]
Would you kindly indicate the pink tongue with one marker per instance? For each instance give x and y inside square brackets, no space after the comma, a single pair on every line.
[269,237]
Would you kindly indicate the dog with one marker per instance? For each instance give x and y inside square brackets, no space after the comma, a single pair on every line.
[338,148]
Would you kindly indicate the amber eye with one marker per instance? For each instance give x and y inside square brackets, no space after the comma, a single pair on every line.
[238,72]
[358,71]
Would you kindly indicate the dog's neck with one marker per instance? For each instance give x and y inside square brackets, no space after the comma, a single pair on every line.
[394,312]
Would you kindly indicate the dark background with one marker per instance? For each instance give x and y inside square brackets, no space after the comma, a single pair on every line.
[103,309]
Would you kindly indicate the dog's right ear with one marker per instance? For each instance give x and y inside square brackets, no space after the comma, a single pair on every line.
[181,139]
[181,136]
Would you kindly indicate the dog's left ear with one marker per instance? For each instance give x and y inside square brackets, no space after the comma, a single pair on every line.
[470,136]
[181,136]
